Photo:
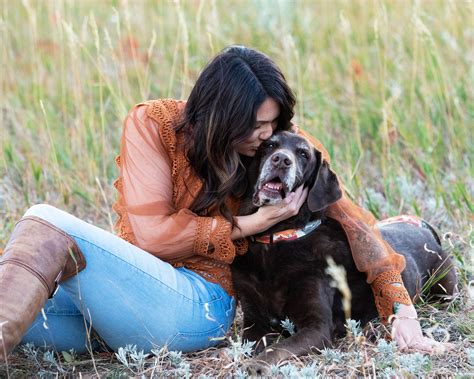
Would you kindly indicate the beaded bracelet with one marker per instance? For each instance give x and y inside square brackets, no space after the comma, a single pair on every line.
[392,317]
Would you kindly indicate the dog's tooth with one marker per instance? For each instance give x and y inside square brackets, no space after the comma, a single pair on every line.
[275,186]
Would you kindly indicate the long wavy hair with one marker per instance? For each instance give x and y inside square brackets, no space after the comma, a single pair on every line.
[221,113]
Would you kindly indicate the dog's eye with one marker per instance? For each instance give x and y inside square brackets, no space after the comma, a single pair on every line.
[269,145]
[304,154]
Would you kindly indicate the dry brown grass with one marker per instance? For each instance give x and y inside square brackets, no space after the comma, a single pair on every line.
[349,357]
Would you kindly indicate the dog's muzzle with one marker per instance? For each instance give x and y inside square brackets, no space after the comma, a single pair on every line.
[277,178]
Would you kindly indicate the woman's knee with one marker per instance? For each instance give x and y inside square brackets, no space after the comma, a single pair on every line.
[43,211]
[51,214]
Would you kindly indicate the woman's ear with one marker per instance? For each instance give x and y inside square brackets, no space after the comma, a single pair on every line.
[325,189]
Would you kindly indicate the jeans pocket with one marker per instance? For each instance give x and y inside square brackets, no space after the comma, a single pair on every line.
[192,341]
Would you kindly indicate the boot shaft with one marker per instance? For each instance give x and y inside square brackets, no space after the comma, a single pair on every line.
[37,257]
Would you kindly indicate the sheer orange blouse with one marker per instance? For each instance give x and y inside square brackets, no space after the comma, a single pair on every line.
[156,186]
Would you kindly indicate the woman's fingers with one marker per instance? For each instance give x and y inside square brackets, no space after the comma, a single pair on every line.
[408,335]
[295,200]
[302,199]
[408,341]
[422,346]
[433,347]
[402,345]
[292,196]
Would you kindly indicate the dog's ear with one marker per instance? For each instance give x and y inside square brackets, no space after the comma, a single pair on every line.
[325,189]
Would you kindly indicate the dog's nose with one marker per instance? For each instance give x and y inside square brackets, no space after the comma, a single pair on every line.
[281,160]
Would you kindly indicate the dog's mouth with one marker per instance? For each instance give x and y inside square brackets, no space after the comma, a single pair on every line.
[273,188]
[270,191]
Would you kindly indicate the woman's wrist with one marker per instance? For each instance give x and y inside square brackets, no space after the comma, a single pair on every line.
[248,226]
[403,312]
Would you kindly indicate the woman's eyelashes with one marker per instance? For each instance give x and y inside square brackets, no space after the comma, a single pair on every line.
[273,124]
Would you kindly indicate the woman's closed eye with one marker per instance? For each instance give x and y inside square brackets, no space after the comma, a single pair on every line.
[273,124]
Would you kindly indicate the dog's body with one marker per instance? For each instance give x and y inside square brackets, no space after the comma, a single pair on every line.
[288,279]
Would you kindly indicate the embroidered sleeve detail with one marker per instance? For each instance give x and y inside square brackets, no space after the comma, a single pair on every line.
[217,244]
[388,288]
[241,246]
[122,225]
[166,114]
[223,247]
[203,232]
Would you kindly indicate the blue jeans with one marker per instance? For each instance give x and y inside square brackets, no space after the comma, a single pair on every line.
[127,296]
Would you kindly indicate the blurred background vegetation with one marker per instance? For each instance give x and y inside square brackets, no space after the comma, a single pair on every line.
[387,86]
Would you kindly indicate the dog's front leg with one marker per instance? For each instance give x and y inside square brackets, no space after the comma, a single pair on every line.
[312,316]
[299,343]
[254,331]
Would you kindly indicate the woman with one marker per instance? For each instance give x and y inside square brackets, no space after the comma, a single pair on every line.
[166,279]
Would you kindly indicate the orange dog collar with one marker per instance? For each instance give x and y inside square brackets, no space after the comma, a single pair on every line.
[288,234]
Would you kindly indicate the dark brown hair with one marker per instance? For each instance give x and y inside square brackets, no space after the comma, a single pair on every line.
[221,113]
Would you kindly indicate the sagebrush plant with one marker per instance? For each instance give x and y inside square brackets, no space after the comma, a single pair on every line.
[416,363]
[289,371]
[238,349]
[353,328]
[470,356]
[386,354]
[132,358]
[332,356]
[387,86]
[310,371]
[288,325]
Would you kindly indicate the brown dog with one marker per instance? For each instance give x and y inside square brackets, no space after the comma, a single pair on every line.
[286,277]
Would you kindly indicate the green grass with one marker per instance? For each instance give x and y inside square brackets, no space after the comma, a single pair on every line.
[387,86]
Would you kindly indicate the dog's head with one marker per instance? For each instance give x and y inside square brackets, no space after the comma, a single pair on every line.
[286,161]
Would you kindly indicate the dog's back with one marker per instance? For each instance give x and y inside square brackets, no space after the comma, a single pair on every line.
[428,269]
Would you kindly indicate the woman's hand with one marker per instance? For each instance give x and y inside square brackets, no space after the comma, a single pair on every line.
[406,332]
[269,215]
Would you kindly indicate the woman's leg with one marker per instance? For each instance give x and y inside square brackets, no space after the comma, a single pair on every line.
[131,297]
[36,257]
[61,326]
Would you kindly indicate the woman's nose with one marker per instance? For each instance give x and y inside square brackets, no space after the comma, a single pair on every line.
[266,132]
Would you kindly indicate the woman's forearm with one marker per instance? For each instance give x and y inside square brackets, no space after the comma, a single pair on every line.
[248,226]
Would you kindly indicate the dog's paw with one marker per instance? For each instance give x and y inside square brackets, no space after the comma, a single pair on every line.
[257,368]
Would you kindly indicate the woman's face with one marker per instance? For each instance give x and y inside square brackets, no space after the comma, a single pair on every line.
[267,120]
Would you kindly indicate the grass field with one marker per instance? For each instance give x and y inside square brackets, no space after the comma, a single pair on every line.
[387,86]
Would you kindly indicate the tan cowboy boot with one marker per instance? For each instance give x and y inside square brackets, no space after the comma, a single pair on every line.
[37,257]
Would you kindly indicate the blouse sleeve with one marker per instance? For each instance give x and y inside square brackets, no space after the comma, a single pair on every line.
[170,234]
